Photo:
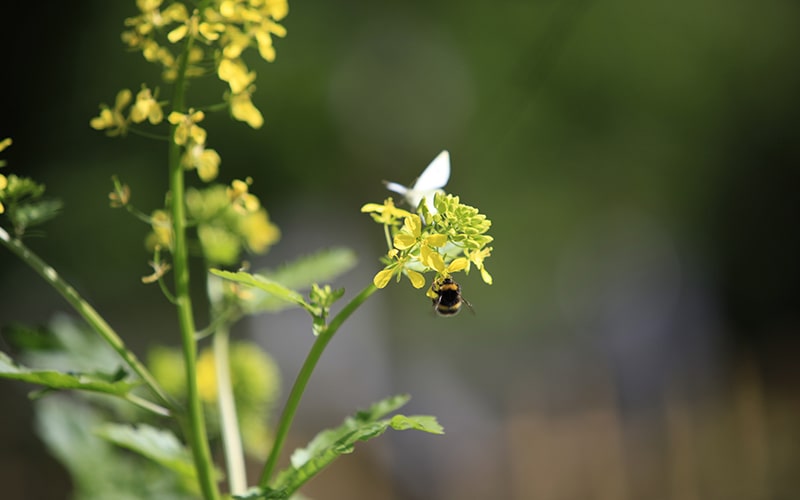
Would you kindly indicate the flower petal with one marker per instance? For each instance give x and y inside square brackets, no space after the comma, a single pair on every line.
[404,241]
[458,264]
[487,278]
[417,280]
[436,240]
[382,278]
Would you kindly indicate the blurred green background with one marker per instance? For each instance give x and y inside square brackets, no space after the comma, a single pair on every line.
[640,163]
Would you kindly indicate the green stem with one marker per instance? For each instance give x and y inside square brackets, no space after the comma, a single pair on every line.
[89,314]
[303,377]
[197,435]
[229,422]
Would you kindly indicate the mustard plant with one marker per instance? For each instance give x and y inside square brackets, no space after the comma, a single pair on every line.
[178,403]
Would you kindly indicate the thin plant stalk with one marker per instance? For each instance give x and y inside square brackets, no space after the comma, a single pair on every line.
[89,314]
[304,376]
[229,423]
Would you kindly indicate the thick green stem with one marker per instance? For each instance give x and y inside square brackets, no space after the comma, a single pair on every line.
[303,377]
[180,259]
[89,314]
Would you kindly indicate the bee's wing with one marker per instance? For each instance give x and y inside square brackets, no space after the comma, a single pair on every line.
[435,175]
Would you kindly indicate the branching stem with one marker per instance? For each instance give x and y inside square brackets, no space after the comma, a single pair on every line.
[88,313]
[303,377]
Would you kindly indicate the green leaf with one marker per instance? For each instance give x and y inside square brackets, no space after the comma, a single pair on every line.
[332,443]
[96,382]
[425,423]
[300,274]
[273,288]
[30,214]
[100,470]
[158,445]
[382,408]
[319,267]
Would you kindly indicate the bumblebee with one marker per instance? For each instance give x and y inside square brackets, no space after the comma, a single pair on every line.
[446,296]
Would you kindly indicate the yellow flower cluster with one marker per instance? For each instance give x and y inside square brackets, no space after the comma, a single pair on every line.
[225,29]
[115,121]
[193,138]
[229,219]
[453,239]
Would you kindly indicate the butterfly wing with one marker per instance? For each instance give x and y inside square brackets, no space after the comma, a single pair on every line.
[397,188]
[432,179]
[435,175]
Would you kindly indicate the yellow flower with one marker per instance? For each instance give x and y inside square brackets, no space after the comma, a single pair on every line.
[431,258]
[236,41]
[162,228]
[241,200]
[151,22]
[186,126]
[206,161]
[409,234]
[265,48]
[258,20]
[243,109]
[263,37]
[3,145]
[278,9]
[236,74]
[477,257]
[259,233]
[207,31]
[151,17]
[146,108]
[178,33]
[3,185]
[207,376]
[113,120]
[386,213]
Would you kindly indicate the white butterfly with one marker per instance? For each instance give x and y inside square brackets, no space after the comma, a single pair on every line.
[432,180]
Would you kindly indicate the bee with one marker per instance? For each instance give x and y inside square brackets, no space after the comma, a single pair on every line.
[447,298]
[431,180]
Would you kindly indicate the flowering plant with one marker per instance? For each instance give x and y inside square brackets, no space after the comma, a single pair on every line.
[185,401]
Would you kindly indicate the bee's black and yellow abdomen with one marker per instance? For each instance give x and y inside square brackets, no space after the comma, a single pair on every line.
[448,301]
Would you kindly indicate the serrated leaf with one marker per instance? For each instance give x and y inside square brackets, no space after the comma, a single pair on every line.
[273,288]
[425,423]
[382,408]
[160,446]
[332,443]
[300,274]
[320,267]
[95,382]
